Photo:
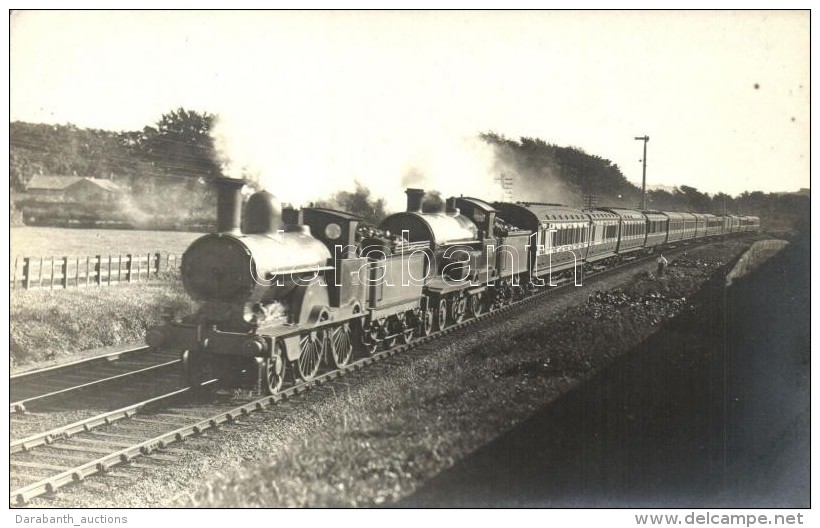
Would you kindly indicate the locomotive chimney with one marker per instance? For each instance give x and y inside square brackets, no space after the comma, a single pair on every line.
[292,219]
[228,204]
[414,199]
[450,206]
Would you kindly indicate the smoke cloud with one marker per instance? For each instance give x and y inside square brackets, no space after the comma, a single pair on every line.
[301,163]
[531,178]
[301,166]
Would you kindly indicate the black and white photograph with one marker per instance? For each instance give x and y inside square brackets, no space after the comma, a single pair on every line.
[553,260]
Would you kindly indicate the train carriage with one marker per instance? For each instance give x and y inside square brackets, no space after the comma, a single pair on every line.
[560,234]
[700,225]
[732,224]
[741,221]
[753,224]
[676,226]
[632,230]
[714,225]
[603,240]
[657,226]
[689,226]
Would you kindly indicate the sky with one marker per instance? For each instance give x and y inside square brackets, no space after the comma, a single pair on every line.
[312,102]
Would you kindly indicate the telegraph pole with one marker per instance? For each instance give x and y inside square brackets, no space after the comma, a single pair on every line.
[507,184]
[645,140]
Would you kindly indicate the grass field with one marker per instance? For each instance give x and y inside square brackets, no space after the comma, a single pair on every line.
[59,242]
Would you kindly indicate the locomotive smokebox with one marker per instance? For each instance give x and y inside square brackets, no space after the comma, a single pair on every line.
[262,214]
[228,204]
[414,199]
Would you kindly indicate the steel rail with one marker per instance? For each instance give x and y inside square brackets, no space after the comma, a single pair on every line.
[87,424]
[103,358]
[21,405]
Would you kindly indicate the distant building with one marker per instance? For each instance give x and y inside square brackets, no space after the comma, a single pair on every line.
[72,188]
[42,186]
[92,189]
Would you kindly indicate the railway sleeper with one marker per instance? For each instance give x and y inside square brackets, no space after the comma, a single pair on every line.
[39,465]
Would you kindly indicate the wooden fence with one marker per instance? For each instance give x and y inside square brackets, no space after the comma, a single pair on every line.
[68,272]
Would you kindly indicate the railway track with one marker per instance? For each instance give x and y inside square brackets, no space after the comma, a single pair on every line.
[53,459]
[38,388]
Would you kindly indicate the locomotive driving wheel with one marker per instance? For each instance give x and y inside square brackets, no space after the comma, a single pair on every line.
[427,322]
[370,338]
[476,304]
[393,329]
[458,308]
[441,314]
[341,345]
[274,371]
[409,322]
[312,348]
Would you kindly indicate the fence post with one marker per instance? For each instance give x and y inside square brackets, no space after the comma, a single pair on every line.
[98,269]
[26,273]
[87,269]
[77,273]
[14,274]
[51,278]
[40,276]
[160,260]
[64,272]
[109,270]
[129,267]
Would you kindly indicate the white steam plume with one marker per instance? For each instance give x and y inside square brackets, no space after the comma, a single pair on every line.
[306,152]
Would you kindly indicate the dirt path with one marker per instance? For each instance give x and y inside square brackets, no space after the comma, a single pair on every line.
[710,411]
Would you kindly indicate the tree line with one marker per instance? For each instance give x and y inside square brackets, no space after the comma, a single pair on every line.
[173,161]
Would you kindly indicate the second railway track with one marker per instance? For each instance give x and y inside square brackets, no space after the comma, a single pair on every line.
[32,390]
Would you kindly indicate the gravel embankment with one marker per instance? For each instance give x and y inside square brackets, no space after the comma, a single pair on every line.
[712,410]
[377,436]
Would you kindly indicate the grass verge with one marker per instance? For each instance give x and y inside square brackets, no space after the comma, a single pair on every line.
[48,326]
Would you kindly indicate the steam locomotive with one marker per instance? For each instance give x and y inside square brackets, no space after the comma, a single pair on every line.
[291,292]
